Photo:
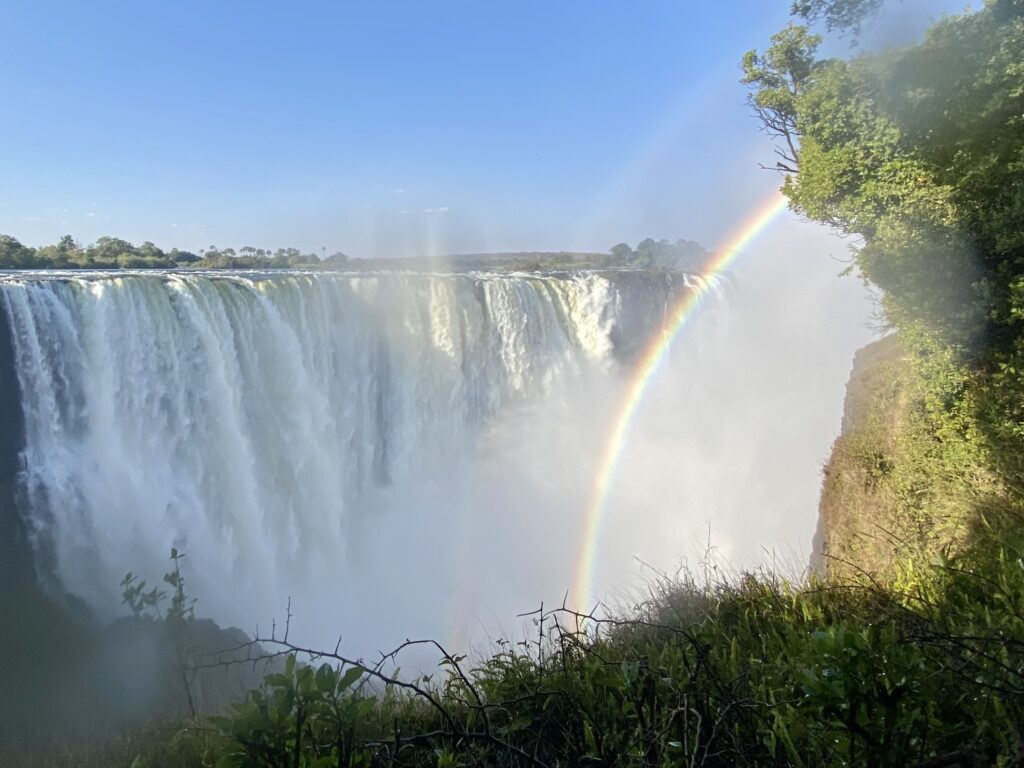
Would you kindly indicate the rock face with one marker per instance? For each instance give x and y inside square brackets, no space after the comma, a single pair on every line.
[15,555]
[167,671]
[67,678]
[855,507]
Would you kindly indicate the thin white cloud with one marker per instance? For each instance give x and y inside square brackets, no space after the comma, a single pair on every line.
[403,211]
[399,191]
[428,210]
[443,209]
[90,215]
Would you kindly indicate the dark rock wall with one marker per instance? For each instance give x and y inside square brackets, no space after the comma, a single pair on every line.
[15,554]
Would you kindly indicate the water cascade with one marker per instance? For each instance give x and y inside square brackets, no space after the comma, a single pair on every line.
[273,425]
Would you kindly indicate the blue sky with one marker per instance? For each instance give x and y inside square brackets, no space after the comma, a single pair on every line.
[385,128]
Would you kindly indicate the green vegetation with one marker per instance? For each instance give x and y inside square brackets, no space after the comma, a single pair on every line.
[114,253]
[750,672]
[684,255]
[920,153]
[745,673]
[910,651]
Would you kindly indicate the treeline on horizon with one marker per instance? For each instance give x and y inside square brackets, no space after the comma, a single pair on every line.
[115,253]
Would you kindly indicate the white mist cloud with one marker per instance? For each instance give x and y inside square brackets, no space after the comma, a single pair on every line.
[726,446]
[726,450]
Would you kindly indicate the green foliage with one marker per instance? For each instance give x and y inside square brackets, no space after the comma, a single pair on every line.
[751,672]
[152,746]
[650,253]
[143,603]
[302,717]
[919,152]
[843,16]
[182,607]
[146,603]
[14,255]
[926,670]
[114,253]
[777,78]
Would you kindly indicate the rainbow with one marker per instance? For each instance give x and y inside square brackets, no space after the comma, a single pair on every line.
[642,376]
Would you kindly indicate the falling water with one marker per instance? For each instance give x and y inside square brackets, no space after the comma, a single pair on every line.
[264,423]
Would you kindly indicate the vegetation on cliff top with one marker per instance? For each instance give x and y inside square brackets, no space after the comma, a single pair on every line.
[920,153]
[115,253]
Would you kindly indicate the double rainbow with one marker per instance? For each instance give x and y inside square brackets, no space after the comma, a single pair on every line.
[642,376]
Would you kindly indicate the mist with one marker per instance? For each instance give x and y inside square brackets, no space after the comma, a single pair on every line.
[725,452]
[324,443]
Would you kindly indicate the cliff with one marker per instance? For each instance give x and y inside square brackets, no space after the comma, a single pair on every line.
[15,557]
[855,507]
[911,477]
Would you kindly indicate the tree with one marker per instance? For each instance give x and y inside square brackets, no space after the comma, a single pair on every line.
[621,253]
[920,152]
[182,257]
[111,251]
[14,255]
[67,245]
[646,251]
[777,78]
[839,15]
[149,251]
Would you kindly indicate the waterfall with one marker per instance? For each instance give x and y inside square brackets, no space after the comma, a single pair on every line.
[256,421]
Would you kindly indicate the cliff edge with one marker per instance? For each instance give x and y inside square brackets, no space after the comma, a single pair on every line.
[855,510]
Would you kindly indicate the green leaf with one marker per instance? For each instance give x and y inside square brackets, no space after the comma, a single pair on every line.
[352,674]
[521,723]
[365,708]
[277,680]
[326,678]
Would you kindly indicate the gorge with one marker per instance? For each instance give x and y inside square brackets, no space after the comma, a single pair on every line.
[258,422]
[384,448]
